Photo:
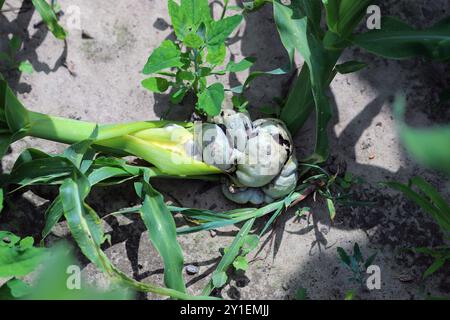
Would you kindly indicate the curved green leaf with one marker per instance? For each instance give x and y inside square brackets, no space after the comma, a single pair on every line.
[52,216]
[297,34]
[162,232]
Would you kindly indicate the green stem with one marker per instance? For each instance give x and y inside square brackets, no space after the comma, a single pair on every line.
[125,139]
[224,11]
[71,131]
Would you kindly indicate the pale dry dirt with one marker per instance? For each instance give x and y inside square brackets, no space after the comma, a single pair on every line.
[96,77]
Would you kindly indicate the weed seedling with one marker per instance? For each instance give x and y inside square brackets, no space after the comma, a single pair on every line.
[197,55]
[356,263]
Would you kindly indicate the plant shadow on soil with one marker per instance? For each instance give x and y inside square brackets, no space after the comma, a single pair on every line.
[397,223]
[31,42]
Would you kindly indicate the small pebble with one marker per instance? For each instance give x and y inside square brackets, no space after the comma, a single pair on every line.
[191,269]
[212,233]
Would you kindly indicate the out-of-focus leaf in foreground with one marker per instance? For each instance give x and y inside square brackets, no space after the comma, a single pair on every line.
[430,146]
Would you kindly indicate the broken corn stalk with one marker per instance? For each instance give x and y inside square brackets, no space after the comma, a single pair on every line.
[151,141]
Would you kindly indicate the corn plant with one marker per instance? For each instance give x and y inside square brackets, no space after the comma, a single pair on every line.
[94,157]
[299,25]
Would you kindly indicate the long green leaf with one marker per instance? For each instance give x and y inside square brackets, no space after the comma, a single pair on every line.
[351,12]
[52,216]
[85,227]
[428,146]
[435,266]
[397,40]
[434,196]
[83,222]
[297,35]
[300,102]
[50,170]
[332,10]
[162,232]
[423,202]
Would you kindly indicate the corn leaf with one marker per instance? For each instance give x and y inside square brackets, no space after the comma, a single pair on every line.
[52,216]
[81,154]
[430,147]
[50,170]
[435,266]
[83,222]
[300,102]
[397,40]
[162,232]
[49,17]
[441,217]
[433,195]
[332,10]
[297,34]
[14,114]
[343,256]
[351,12]
[86,229]
[350,67]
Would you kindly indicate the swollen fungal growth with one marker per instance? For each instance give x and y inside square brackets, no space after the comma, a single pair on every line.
[257,155]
